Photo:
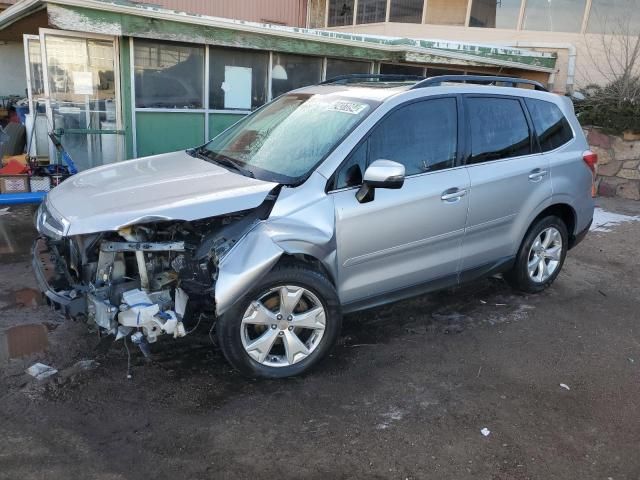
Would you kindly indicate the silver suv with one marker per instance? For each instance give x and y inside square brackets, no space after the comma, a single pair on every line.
[330,199]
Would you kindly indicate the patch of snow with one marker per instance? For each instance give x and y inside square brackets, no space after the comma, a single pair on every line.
[604,221]
[393,415]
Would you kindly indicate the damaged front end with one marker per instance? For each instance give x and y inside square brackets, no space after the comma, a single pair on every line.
[143,280]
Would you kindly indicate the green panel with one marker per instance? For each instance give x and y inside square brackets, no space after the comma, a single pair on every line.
[125,95]
[168,131]
[218,122]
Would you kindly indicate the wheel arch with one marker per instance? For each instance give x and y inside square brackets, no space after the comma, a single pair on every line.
[256,254]
[562,210]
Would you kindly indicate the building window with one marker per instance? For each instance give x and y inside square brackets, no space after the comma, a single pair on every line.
[447,12]
[394,69]
[406,11]
[495,13]
[35,67]
[294,71]
[168,75]
[372,11]
[237,78]
[620,17]
[340,13]
[336,67]
[554,16]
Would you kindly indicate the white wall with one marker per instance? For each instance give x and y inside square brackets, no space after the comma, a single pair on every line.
[13,79]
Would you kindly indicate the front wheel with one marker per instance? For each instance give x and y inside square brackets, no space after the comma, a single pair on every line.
[541,256]
[284,326]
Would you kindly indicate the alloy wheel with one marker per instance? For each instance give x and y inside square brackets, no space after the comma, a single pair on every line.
[283,326]
[545,255]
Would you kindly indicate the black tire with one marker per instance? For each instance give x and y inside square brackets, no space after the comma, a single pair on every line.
[518,276]
[229,324]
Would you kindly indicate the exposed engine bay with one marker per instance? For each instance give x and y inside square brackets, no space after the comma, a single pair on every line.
[143,280]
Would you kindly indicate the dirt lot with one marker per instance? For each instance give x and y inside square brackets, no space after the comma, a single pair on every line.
[405,394]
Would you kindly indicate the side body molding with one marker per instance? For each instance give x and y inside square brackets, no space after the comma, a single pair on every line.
[292,228]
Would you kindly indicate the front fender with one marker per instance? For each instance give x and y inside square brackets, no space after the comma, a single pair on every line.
[250,259]
[292,228]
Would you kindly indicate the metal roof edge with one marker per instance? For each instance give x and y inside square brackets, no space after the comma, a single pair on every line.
[18,11]
[531,60]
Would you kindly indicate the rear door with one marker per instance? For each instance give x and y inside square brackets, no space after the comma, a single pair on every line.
[509,178]
[406,237]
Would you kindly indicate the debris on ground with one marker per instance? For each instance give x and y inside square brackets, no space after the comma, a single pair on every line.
[565,386]
[41,371]
[28,297]
[86,365]
[485,431]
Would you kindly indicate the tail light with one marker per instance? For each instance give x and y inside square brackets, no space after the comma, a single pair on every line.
[591,159]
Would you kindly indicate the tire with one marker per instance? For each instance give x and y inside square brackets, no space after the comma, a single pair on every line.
[519,276]
[261,314]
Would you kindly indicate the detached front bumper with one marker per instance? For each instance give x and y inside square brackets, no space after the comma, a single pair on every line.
[48,268]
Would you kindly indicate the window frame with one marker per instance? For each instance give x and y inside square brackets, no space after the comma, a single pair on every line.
[535,132]
[533,139]
[460,150]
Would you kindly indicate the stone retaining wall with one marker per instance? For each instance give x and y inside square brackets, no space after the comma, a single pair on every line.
[618,164]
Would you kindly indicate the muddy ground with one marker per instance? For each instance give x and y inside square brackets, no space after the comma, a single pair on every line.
[405,394]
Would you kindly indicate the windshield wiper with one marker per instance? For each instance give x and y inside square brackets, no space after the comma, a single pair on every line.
[223,160]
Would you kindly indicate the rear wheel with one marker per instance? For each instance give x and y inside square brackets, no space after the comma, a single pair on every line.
[541,256]
[284,326]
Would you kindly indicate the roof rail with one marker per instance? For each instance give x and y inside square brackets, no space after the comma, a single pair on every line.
[364,77]
[436,81]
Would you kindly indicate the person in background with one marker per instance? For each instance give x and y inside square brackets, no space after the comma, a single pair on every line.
[13,115]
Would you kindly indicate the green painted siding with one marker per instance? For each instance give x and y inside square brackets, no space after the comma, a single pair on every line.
[218,122]
[125,97]
[167,132]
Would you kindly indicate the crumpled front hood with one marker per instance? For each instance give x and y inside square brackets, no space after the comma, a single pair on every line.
[172,186]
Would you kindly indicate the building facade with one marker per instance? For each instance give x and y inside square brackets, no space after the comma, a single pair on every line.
[582,33]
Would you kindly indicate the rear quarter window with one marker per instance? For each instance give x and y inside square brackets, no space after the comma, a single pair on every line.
[552,127]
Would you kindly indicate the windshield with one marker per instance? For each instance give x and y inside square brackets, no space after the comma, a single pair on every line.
[286,139]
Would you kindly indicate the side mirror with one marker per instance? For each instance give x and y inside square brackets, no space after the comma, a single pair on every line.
[380,174]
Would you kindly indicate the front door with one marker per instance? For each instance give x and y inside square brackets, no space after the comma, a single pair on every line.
[406,237]
[82,89]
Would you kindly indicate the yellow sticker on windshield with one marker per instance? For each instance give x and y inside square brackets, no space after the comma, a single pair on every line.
[354,108]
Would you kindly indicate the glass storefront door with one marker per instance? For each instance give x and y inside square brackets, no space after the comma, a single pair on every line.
[82,92]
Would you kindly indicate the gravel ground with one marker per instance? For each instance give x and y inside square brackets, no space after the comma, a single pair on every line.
[554,377]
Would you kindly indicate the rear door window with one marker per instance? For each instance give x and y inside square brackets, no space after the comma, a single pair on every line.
[552,128]
[499,129]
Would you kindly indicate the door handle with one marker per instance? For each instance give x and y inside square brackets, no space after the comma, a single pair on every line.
[453,194]
[537,174]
